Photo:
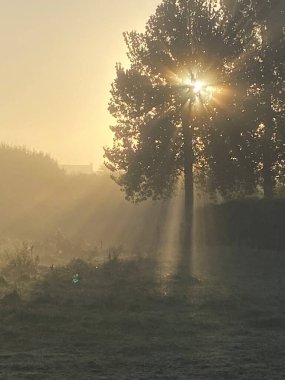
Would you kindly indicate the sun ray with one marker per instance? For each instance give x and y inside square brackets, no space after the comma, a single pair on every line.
[169,246]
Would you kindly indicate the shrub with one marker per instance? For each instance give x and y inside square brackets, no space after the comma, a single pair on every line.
[22,264]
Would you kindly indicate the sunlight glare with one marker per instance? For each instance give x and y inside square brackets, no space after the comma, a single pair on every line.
[198,86]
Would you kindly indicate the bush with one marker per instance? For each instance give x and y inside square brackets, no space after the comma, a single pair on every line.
[22,264]
[253,223]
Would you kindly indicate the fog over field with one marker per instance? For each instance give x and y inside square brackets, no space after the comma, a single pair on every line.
[142,189]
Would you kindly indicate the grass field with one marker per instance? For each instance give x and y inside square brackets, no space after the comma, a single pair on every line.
[124,320]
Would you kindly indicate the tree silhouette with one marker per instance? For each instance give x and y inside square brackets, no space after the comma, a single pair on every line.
[263,110]
[270,14]
[162,127]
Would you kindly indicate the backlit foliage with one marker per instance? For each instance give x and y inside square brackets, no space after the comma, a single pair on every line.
[204,40]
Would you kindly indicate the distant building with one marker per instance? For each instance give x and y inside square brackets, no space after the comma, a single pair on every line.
[78,169]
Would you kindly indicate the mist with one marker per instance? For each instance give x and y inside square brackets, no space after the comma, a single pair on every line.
[142,189]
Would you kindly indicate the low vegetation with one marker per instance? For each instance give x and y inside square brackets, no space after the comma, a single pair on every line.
[126,318]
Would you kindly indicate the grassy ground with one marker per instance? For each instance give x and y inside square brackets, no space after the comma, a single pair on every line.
[124,321]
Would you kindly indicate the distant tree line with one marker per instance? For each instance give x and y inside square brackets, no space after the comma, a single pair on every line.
[38,201]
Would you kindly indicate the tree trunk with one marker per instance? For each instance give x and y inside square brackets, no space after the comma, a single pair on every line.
[267,161]
[187,244]
[268,182]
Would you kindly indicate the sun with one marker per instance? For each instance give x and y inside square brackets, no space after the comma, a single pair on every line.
[198,86]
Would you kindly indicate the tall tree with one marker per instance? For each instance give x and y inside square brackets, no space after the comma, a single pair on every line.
[271,15]
[162,123]
[265,88]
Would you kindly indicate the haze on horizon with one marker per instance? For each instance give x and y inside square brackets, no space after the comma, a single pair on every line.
[57,63]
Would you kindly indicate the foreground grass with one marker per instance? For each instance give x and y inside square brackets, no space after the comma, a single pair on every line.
[124,321]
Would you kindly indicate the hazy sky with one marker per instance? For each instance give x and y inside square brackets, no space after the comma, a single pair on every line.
[57,64]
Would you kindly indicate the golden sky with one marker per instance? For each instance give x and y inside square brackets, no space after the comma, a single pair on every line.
[57,64]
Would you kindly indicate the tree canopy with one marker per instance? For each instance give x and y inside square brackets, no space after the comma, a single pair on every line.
[182,40]
[262,113]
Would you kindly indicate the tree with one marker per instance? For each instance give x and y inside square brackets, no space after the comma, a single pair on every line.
[272,82]
[265,106]
[162,128]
